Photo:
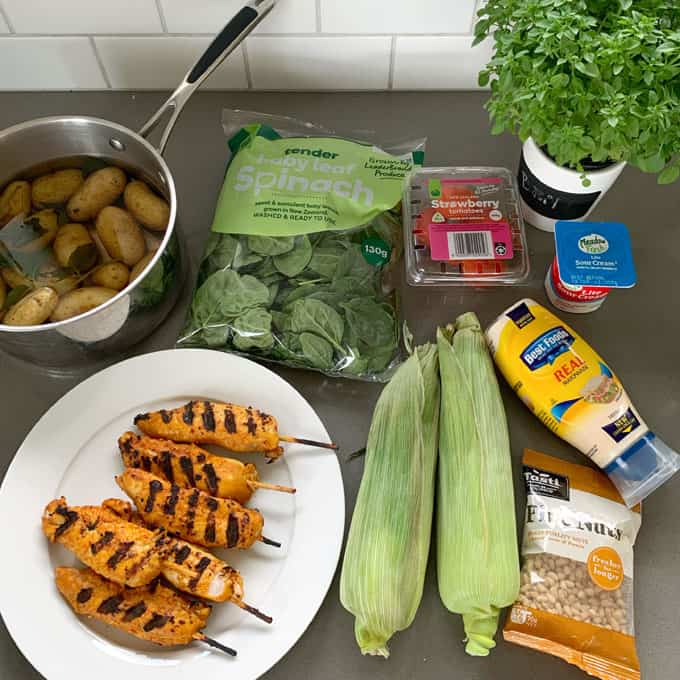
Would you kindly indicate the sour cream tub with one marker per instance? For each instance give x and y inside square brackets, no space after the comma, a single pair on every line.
[574,299]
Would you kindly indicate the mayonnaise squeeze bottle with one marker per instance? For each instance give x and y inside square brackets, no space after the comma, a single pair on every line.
[574,393]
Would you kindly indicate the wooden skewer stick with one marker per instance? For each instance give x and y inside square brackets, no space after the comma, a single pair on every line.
[309,442]
[213,643]
[269,541]
[254,611]
[271,487]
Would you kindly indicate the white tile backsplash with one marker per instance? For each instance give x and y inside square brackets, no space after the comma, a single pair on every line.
[397,16]
[438,62]
[209,16]
[301,45]
[49,64]
[320,63]
[159,63]
[83,16]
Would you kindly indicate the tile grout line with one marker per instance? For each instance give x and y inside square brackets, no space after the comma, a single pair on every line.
[161,14]
[5,16]
[246,64]
[100,63]
[393,54]
[281,36]
[318,16]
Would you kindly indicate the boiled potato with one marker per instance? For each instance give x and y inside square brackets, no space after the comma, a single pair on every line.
[14,278]
[101,251]
[74,247]
[55,188]
[32,309]
[113,275]
[121,235]
[59,279]
[45,225]
[81,300]
[141,266]
[146,207]
[14,200]
[100,189]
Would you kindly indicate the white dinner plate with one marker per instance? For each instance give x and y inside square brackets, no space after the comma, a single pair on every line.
[72,451]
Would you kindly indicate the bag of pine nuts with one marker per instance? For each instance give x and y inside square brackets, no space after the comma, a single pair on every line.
[576,595]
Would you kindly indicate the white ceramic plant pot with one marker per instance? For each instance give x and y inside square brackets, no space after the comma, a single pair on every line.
[551,192]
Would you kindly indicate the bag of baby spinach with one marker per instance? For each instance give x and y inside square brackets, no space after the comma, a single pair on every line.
[305,243]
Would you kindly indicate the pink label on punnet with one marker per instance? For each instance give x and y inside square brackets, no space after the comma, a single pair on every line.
[486,241]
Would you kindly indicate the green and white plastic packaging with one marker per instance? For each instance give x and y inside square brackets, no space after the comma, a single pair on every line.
[305,244]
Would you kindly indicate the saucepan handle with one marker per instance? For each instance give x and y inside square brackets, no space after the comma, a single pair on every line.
[231,36]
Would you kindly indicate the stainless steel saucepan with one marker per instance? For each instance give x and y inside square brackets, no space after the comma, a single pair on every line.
[59,140]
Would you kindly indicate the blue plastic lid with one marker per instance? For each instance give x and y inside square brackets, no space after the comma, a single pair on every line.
[643,467]
[595,254]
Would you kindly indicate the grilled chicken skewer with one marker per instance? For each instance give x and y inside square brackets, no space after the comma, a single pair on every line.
[190,466]
[131,557]
[154,612]
[191,514]
[236,428]
[95,535]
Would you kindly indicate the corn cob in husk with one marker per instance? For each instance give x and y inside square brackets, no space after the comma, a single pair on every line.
[386,555]
[477,559]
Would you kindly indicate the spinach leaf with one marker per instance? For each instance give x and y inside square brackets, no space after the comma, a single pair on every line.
[271,245]
[325,261]
[252,330]
[215,336]
[317,351]
[314,316]
[273,291]
[219,252]
[370,321]
[294,261]
[265,269]
[354,264]
[287,348]
[280,320]
[244,257]
[354,363]
[226,294]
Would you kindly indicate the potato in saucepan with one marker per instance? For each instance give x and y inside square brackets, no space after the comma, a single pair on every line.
[81,300]
[33,309]
[14,200]
[74,247]
[56,188]
[14,278]
[141,265]
[100,189]
[150,210]
[112,274]
[121,235]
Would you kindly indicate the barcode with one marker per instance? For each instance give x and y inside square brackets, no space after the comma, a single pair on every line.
[470,245]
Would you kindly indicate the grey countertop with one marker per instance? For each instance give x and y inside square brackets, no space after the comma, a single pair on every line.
[636,330]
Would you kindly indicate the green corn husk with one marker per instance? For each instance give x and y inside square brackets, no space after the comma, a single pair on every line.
[477,560]
[383,570]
